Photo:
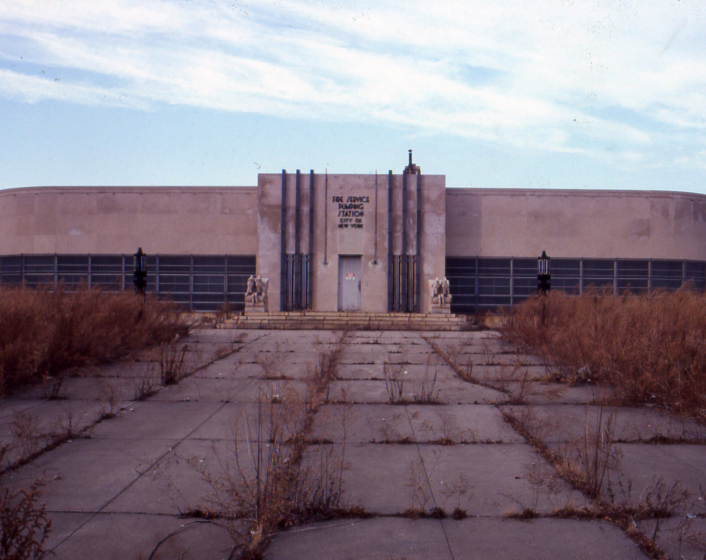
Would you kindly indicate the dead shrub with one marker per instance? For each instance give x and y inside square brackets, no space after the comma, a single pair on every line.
[428,394]
[394,382]
[171,361]
[45,332]
[648,348]
[594,452]
[274,478]
[24,525]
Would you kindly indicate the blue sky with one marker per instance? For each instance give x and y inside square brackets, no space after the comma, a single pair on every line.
[510,94]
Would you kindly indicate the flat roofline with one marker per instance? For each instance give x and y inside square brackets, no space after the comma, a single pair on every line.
[453,191]
[126,189]
[380,174]
[471,191]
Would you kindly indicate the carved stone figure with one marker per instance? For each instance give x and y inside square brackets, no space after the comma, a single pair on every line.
[256,293]
[439,293]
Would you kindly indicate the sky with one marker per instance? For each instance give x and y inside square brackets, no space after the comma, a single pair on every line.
[595,94]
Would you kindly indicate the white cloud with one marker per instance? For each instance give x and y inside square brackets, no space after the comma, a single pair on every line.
[32,89]
[543,71]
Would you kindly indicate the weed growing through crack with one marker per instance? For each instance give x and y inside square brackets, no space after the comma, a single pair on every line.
[109,403]
[595,452]
[274,478]
[271,363]
[418,487]
[394,382]
[517,383]
[543,480]
[459,492]
[585,465]
[171,361]
[427,393]
[145,388]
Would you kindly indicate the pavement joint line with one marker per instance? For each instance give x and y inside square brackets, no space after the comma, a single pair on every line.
[42,402]
[139,476]
[426,475]
[160,458]
[86,430]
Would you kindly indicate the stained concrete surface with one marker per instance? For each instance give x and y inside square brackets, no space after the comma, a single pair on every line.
[119,488]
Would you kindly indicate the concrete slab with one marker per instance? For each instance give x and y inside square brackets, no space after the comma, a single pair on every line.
[469,393]
[371,392]
[176,485]
[84,475]
[244,369]
[55,416]
[491,479]
[540,539]
[140,466]
[567,422]
[204,390]
[365,423]
[363,372]
[112,536]
[221,370]
[418,372]
[271,389]
[63,525]
[680,537]
[359,391]
[555,393]
[508,360]
[461,424]
[242,420]
[157,420]
[501,373]
[118,389]
[381,479]
[372,539]
[9,406]
[642,467]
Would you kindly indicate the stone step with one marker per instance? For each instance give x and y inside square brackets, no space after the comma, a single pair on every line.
[349,320]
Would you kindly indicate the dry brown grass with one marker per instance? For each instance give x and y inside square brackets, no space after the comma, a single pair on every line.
[276,478]
[24,525]
[649,349]
[51,332]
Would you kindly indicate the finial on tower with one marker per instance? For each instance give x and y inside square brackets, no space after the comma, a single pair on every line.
[411,169]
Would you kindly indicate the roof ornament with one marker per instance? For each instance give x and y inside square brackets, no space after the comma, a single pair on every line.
[411,169]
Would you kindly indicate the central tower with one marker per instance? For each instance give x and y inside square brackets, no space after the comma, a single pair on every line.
[351,242]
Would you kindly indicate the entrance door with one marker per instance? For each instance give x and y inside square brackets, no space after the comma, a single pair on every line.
[349,283]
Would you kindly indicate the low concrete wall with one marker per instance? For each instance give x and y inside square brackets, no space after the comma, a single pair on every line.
[568,223]
[166,220]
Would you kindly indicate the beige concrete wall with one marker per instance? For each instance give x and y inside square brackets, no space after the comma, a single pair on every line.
[455,222]
[166,220]
[593,224]
[370,240]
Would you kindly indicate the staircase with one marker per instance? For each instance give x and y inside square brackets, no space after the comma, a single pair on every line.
[350,320]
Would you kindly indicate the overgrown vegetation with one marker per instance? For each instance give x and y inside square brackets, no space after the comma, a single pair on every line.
[48,333]
[585,467]
[274,478]
[171,361]
[648,348]
[24,525]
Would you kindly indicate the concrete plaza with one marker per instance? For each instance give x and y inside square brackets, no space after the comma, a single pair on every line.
[432,443]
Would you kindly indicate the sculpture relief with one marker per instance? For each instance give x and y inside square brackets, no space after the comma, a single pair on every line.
[440,294]
[256,293]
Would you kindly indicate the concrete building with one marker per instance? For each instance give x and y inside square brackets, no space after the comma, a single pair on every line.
[352,242]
